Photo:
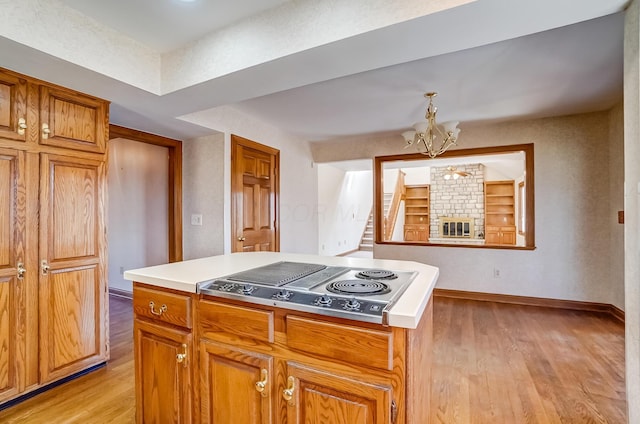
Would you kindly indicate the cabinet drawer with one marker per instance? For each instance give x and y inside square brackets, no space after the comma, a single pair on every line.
[162,306]
[250,323]
[360,346]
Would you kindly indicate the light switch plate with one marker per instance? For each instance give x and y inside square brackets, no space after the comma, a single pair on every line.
[196,219]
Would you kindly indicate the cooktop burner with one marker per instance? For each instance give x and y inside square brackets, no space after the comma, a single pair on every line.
[377,274]
[364,294]
[359,287]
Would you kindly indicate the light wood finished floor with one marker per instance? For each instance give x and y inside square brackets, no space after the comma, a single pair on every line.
[493,363]
[497,363]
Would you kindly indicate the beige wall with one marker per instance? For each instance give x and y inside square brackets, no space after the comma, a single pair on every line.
[203,194]
[298,183]
[573,211]
[632,207]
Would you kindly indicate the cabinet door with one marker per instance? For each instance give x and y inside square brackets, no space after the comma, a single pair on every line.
[416,233]
[73,305]
[237,386]
[163,357]
[73,120]
[321,397]
[492,235]
[13,107]
[508,235]
[12,233]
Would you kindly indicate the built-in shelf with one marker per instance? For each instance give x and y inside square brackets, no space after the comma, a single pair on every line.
[499,210]
[416,212]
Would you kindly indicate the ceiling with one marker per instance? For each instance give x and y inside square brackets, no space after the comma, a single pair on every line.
[488,60]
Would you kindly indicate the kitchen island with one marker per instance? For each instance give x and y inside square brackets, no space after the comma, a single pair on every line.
[208,358]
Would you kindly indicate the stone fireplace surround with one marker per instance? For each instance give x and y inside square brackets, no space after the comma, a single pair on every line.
[462,197]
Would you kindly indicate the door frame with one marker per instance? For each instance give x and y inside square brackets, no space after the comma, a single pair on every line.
[236,192]
[174,212]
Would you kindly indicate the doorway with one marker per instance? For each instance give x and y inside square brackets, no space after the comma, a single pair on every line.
[144,208]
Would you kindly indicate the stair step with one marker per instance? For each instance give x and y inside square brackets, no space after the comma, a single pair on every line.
[366,248]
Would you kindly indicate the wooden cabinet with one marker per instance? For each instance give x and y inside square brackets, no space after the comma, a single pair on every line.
[73,120]
[13,106]
[163,373]
[322,397]
[163,355]
[53,248]
[237,385]
[416,213]
[12,277]
[268,365]
[72,284]
[500,235]
[499,209]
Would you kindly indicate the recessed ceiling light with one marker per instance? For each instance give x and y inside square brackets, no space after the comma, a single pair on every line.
[187,1]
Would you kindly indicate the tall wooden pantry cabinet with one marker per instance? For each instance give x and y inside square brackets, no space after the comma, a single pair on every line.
[53,250]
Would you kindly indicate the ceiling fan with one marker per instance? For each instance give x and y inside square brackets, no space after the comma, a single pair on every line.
[452,172]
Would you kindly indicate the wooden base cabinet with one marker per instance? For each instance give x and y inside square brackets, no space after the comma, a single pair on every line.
[163,355]
[265,365]
[163,374]
[237,385]
[500,235]
[321,397]
[268,365]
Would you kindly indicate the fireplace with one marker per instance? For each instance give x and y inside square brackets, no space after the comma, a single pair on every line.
[453,227]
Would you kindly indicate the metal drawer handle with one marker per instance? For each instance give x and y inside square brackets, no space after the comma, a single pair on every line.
[22,125]
[262,384]
[287,393]
[180,357]
[45,131]
[44,266]
[21,270]
[161,311]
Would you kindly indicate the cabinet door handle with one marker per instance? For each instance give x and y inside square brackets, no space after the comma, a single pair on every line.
[181,357]
[45,131]
[22,125]
[241,239]
[44,266]
[262,384]
[21,270]
[161,311]
[287,393]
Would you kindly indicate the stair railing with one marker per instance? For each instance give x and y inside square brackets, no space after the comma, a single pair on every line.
[394,206]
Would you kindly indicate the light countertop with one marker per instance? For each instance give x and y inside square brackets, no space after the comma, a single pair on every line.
[187,275]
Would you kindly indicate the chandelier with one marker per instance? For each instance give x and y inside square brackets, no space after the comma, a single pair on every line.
[427,137]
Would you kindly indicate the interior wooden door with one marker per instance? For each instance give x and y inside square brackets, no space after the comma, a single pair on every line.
[237,386]
[72,265]
[13,107]
[12,260]
[320,397]
[255,191]
[163,394]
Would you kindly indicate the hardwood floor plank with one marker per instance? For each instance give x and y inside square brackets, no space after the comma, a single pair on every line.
[102,396]
[523,364]
[493,363]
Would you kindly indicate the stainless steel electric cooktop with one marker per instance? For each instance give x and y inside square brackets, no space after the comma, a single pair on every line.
[362,294]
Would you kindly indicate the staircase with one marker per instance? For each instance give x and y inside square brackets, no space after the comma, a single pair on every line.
[366,242]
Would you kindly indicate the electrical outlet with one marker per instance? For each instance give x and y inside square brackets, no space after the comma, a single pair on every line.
[121,270]
[196,219]
[496,273]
